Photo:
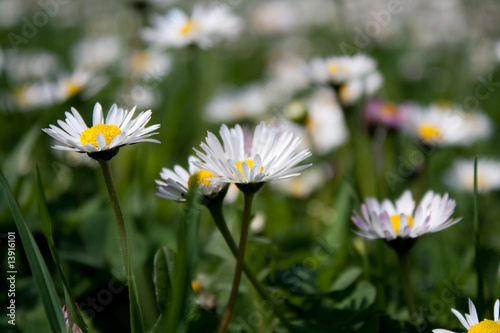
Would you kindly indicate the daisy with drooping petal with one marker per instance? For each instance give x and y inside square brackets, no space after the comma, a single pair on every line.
[269,155]
[447,125]
[118,129]
[389,220]
[176,184]
[461,175]
[471,321]
[206,26]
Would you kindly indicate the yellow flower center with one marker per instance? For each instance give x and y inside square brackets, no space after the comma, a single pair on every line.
[429,133]
[443,104]
[196,286]
[72,88]
[388,110]
[486,326]
[90,134]
[20,95]
[250,165]
[481,182]
[200,177]
[188,27]
[333,68]
[345,93]
[395,220]
[139,61]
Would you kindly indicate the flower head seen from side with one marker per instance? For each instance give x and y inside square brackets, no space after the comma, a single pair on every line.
[268,155]
[341,69]
[388,220]
[106,135]
[461,175]
[444,124]
[352,76]
[471,321]
[385,113]
[319,120]
[206,26]
[177,183]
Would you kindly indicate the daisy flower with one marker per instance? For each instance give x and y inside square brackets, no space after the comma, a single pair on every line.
[446,125]
[352,76]
[461,175]
[400,219]
[149,64]
[96,53]
[35,95]
[176,184]
[471,321]
[319,120]
[118,129]
[388,114]
[248,102]
[269,155]
[341,69]
[206,26]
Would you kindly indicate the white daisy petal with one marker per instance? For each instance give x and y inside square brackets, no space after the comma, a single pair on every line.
[461,318]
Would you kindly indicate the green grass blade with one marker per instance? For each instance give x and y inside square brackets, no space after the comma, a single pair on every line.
[74,314]
[174,320]
[41,275]
[42,206]
[478,263]
[135,310]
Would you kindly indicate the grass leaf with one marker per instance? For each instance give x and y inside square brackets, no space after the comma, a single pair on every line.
[41,275]
[74,314]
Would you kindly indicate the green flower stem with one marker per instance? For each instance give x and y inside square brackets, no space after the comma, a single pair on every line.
[106,170]
[404,270]
[239,262]
[220,222]
[477,263]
